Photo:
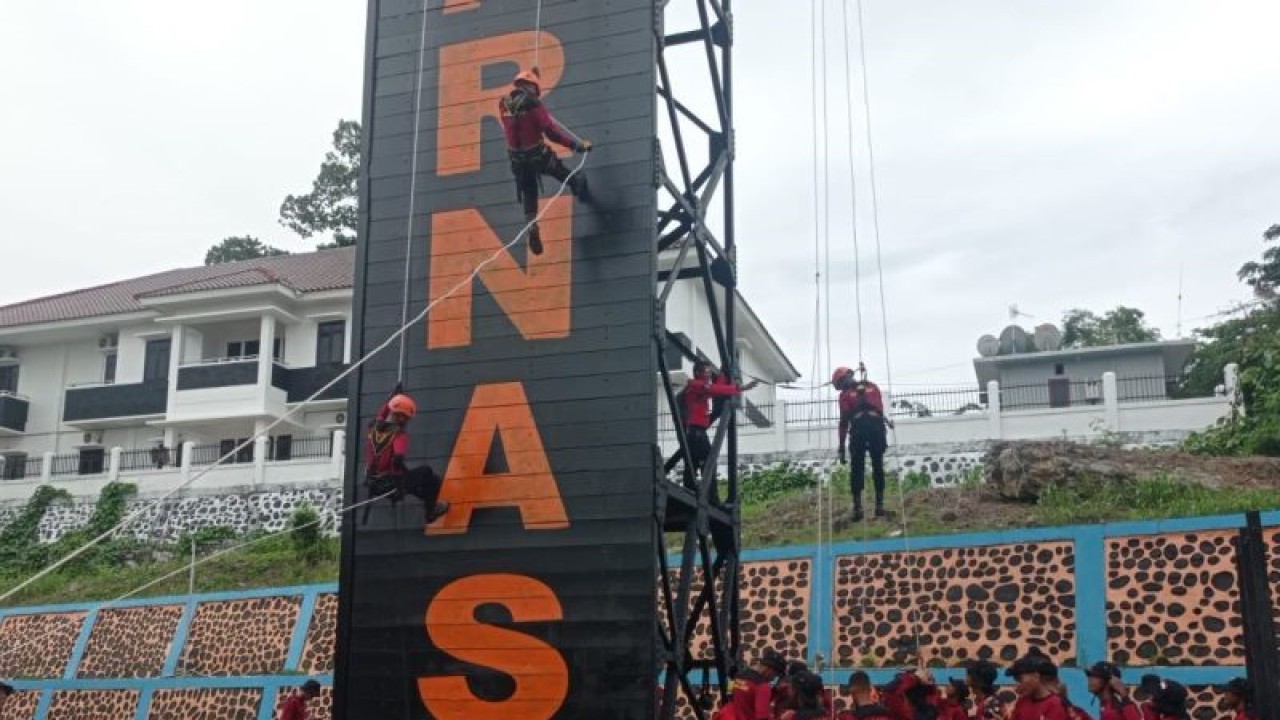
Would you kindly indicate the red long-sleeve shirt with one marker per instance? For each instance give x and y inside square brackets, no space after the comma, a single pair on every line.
[295,708]
[853,402]
[697,400]
[1113,710]
[1050,707]
[383,444]
[752,698]
[526,129]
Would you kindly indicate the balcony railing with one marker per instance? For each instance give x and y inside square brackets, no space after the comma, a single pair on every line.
[100,402]
[302,383]
[13,411]
[237,371]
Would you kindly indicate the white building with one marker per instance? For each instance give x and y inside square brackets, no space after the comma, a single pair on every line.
[93,382]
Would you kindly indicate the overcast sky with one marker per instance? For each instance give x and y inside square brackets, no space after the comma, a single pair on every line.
[1049,154]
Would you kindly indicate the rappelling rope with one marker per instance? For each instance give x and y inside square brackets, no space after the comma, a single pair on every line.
[413,189]
[884,315]
[537,34]
[466,282]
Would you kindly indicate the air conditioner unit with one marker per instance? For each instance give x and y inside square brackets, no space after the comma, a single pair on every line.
[340,418]
[8,353]
[108,342]
[91,438]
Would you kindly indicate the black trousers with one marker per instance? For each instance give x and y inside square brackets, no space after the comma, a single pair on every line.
[420,482]
[699,451]
[528,167]
[867,437]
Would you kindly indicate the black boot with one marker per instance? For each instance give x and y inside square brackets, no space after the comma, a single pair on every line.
[535,239]
[879,506]
[435,513]
[858,515]
[578,184]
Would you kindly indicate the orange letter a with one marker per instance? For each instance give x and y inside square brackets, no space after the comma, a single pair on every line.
[540,674]
[536,300]
[528,484]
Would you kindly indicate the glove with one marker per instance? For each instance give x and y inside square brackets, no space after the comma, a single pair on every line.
[583,147]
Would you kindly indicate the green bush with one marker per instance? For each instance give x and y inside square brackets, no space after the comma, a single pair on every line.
[308,543]
[1148,498]
[774,482]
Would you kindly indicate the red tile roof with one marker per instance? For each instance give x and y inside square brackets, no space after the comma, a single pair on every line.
[307,272]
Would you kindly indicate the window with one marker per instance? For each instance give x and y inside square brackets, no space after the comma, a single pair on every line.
[1059,369]
[92,461]
[13,467]
[155,364]
[282,447]
[331,342]
[109,368]
[244,455]
[248,349]
[9,378]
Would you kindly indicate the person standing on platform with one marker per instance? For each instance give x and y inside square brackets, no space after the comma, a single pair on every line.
[694,404]
[863,424]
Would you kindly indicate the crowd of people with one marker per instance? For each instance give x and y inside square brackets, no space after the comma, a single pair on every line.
[777,689]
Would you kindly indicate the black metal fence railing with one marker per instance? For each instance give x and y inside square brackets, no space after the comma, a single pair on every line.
[82,463]
[206,454]
[938,401]
[1148,389]
[288,447]
[33,466]
[1051,394]
[153,458]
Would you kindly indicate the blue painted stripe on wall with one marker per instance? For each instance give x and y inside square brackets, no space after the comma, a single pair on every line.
[1091,597]
[299,640]
[46,699]
[144,706]
[268,706]
[173,683]
[170,599]
[81,644]
[180,638]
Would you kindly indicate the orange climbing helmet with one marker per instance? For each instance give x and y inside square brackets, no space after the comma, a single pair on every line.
[531,76]
[403,405]
[839,377]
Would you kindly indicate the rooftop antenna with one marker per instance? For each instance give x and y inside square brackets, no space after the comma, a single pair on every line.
[1180,269]
[1015,313]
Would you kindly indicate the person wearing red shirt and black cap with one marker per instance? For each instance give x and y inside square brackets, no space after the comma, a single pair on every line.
[809,704]
[784,695]
[1237,695]
[912,695]
[862,424]
[1036,675]
[981,676]
[1114,702]
[1145,691]
[295,706]
[695,413]
[751,695]
[864,701]
[6,690]
[525,123]
[952,705]
[387,444]
[1170,701]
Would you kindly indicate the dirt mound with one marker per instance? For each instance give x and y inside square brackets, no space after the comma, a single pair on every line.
[1023,470]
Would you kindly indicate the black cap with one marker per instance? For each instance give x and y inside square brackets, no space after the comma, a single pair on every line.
[1103,670]
[311,687]
[857,677]
[1170,697]
[773,660]
[807,683]
[959,689]
[1033,663]
[1150,684]
[796,666]
[984,671]
[6,689]
[1241,687]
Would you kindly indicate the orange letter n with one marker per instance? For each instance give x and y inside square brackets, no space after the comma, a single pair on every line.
[537,300]
[528,483]
[464,100]
[540,674]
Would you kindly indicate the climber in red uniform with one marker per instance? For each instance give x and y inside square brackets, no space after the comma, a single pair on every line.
[387,444]
[526,122]
[1114,702]
[695,413]
[295,706]
[751,697]
[862,423]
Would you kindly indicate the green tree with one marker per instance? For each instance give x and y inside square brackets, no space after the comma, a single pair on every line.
[1264,277]
[330,207]
[240,247]
[1118,326]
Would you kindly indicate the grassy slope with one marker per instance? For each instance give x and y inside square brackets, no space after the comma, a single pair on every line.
[788,519]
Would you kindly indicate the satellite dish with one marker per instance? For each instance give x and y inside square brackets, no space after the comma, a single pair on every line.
[1048,338]
[988,346]
[1014,341]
